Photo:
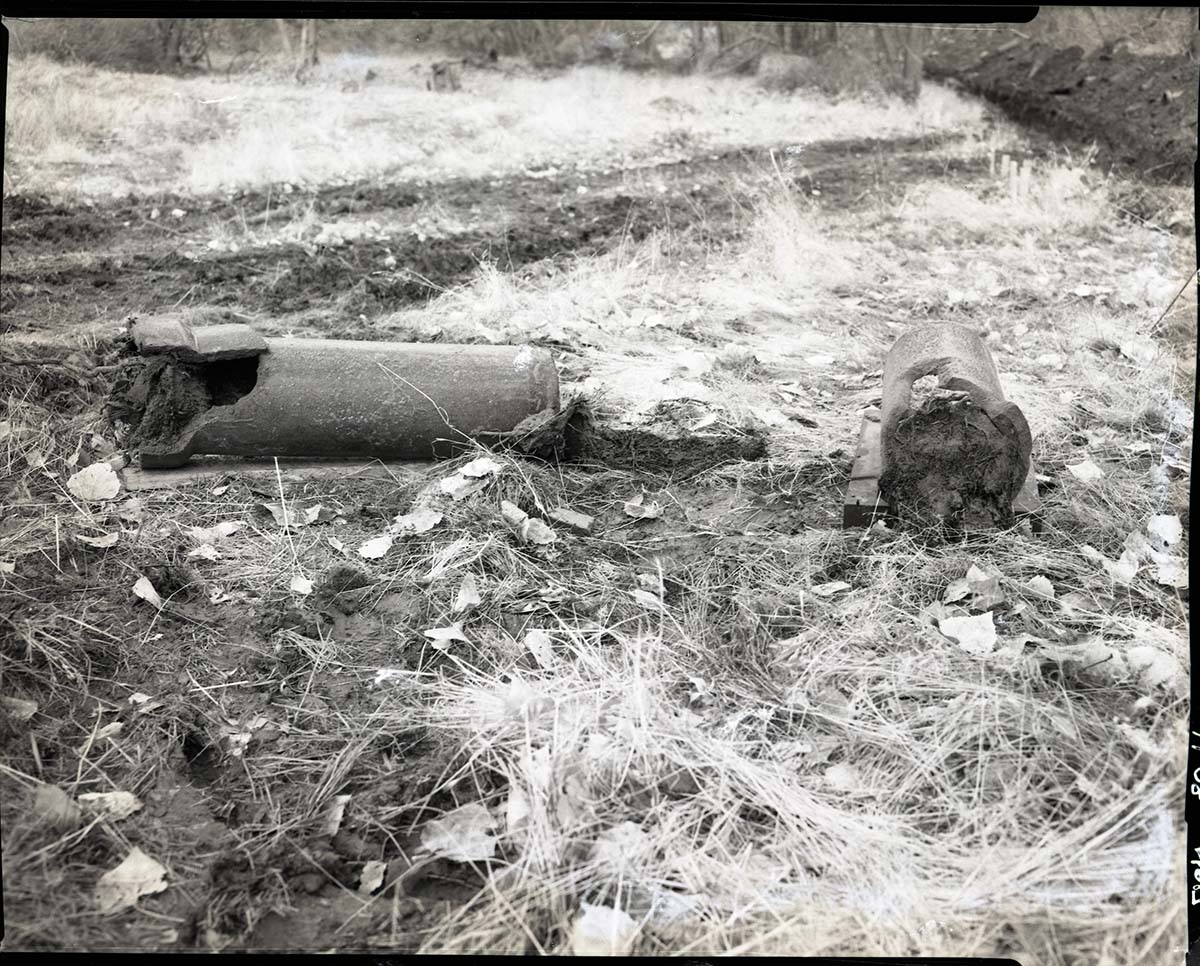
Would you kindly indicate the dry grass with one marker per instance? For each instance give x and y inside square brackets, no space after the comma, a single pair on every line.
[78,130]
[751,767]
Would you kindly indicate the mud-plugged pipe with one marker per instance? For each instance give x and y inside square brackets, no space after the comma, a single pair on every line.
[960,455]
[329,398]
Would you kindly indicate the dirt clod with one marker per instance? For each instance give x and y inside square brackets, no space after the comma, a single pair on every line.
[949,464]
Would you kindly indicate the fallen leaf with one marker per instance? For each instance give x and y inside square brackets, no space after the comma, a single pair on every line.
[206,551]
[95,483]
[652,583]
[831,588]
[220,490]
[843,777]
[620,846]
[1139,544]
[18,708]
[602,931]
[528,529]
[334,814]
[419,521]
[517,810]
[139,875]
[1040,586]
[337,544]
[371,877]
[463,835]
[538,643]
[1075,603]
[459,487]
[316,514]
[484,466]
[468,594]
[648,600]
[108,731]
[108,540]
[537,532]
[1121,571]
[442,636]
[638,509]
[982,589]
[1165,530]
[131,511]
[144,703]
[376,548]
[1087,471]
[54,807]
[1171,571]
[300,585]
[975,635]
[1155,668]
[218,531]
[281,514]
[145,590]
[114,805]
[1124,570]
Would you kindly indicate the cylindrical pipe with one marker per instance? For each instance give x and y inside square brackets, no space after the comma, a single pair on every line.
[938,459]
[333,398]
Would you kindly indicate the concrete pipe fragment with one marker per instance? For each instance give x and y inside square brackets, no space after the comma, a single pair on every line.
[232,392]
[960,454]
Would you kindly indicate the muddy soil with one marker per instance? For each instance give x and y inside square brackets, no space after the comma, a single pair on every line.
[65,266]
[1141,110]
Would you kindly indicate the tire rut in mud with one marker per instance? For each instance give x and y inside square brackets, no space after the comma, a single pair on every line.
[517,221]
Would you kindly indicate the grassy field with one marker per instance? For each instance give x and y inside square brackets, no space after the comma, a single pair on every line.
[724,725]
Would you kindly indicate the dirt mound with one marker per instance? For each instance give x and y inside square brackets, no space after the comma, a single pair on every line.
[1141,110]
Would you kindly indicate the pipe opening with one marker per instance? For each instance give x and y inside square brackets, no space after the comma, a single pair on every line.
[168,395]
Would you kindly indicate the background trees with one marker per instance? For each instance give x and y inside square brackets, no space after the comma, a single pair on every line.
[894,53]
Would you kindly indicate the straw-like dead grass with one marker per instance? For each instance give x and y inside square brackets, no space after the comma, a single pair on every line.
[246,131]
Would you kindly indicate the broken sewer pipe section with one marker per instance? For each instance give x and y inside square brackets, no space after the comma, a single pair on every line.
[957,455]
[226,390]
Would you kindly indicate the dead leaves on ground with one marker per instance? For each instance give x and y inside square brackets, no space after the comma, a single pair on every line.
[138,875]
[463,835]
[1162,533]
[639,509]
[528,529]
[602,931]
[96,483]
[1145,659]
[293,516]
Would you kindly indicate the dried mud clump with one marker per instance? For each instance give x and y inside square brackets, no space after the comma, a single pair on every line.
[659,442]
[949,464]
[166,395]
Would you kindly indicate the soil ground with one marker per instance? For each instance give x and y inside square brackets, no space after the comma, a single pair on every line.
[731,294]
[1139,110]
